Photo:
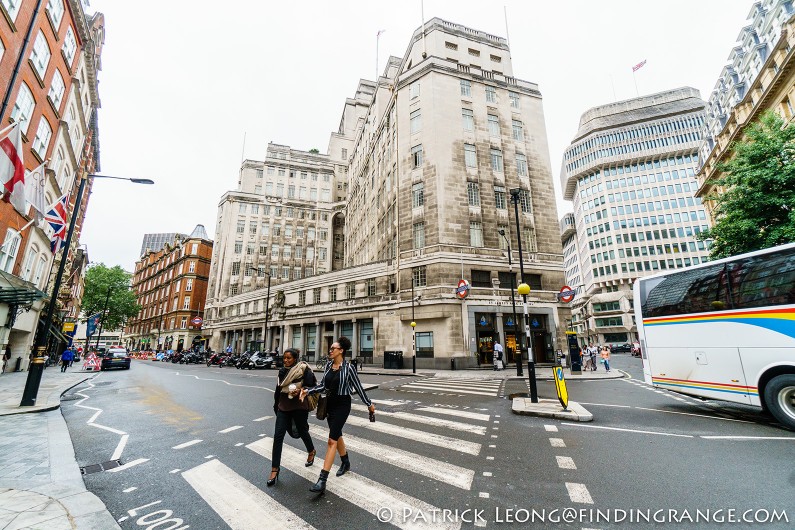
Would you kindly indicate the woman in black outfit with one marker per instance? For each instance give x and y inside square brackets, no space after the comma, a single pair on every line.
[339,381]
[289,408]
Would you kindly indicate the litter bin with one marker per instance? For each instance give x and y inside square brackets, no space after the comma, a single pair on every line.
[18,366]
[393,359]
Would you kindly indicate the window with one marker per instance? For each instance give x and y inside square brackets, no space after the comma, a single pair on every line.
[524,201]
[491,94]
[518,130]
[414,90]
[42,140]
[417,195]
[316,295]
[285,273]
[350,290]
[189,283]
[475,234]
[69,46]
[418,234]
[469,119]
[371,287]
[450,45]
[238,247]
[11,7]
[470,156]
[242,208]
[40,56]
[184,323]
[473,193]
[39,270]
[301,298]
[415,119]
[499,198]
[56,90]
[494,126]
[291,192]
[418,276]
[496,160]
[514,97]
[241,226]
[521,165]
[416,156]
[530,241]
[424,344]
[481,278]
[30,263]
[332,294]
[194,248]
[466,88]
[235,268]
[186,303]
[23,108]
[534,281]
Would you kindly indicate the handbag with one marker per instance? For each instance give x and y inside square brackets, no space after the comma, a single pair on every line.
[322,407]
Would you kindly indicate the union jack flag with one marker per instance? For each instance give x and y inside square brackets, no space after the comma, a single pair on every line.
[638,66]
[56,218]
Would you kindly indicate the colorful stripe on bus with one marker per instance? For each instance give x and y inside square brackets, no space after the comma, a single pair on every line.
[778,320]
[705,385]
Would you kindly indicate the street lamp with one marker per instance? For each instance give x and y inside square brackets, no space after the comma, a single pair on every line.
[267,305]
[413,330]
[524,290]
[37,364]
[513,304]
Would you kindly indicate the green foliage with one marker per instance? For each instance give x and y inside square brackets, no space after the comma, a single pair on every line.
[120,306]
[756,210]
[314,151]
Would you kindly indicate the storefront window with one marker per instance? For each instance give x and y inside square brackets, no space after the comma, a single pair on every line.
[425,344]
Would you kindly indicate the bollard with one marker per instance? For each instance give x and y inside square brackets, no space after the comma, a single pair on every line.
[452,363]
[18,367]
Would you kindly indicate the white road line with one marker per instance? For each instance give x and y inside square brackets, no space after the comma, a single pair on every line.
[629,430]
[447,389]
[120,448]
[606,405]
[388,402]
[239,503]
[579,493]
[222,381]
[128,490]
[418,436]
[422,465]
[238,444]
[449,384]
[111,429]
[128,465]
[550,428]
[263,418]
[483,495]
[565,462]
[460,413]
[175,471]
[187,444]
[693,414]
[230,429]
[557,442]
[434,422]
[790,438]
[456,380]
[360,491]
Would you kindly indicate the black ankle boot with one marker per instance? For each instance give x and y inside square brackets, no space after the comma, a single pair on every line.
[320,485]
[345,466]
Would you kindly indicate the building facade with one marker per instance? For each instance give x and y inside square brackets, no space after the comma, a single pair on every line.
[158,241]
[171,288]
[421,170]
[630,173]
[759,76]
[49,60]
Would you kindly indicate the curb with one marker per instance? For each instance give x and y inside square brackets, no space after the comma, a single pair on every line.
[550,408]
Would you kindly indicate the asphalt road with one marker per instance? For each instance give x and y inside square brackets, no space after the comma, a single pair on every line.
[194,446]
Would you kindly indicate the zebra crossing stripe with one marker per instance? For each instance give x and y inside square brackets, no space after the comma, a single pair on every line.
[422,465]
[453,412]
[438,440]
[434,422]
[460,384]
[448,389]
[360,491]
[238,502]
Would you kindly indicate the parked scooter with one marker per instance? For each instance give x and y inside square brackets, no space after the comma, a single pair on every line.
[242,361]
[260,360]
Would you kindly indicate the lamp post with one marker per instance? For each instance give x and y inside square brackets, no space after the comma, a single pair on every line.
[267,305]
[37,364]
[513,304]
[413,330]
[524,290]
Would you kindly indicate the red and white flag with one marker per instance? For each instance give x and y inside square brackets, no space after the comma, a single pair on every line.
[12,168]
[638,66]
[35,184]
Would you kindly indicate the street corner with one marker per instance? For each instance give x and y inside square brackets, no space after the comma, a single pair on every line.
[550,408]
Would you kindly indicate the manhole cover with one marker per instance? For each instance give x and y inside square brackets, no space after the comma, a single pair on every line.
[96,468]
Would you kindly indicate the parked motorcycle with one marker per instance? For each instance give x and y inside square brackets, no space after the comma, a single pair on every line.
[260,360]
[216,359]
[242,361]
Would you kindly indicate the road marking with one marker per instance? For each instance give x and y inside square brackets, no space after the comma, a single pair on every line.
[128,490]
[435,422]
[360,491]
[557,442]
[120,448]
[263,418]
[791,438]
[134,511]
[438,440]
[238,502]
[230,429]
[426,387]
[175,471]
[238,444]
[492,446]
[487,473]
[483,495]
[578,493]
[550,428]
[422,465]
[629,430]
[209,457]
[187,444]
[606,405]
[128,465]
[489,458]
[122,519]
[388,402]
[693,414]
[460,413]
[565,462]
[222,381]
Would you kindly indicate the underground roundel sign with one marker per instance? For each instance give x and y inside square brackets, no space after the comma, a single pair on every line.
[566,294]
[197,321]
[462,290]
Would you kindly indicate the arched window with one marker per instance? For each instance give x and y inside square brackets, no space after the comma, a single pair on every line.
[42,140]
[40,56]
[9,249]
[57,88]
[30,263]
[40,268]
[23,107]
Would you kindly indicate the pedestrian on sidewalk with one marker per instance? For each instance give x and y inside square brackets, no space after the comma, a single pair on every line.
[606,357]
[6,358]
[66,358]
[339,381]
[498,356]
[592,350]
[291,412]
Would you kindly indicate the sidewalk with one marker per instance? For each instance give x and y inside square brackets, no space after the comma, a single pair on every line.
[40,481]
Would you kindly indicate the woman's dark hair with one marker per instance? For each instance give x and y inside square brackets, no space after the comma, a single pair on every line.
[345,344]
[295,353]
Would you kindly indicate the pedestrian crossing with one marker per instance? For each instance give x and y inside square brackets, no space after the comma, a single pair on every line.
[457,386]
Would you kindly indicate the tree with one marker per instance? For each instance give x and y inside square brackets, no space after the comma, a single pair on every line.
[121,305]
[756,208]
[314,151]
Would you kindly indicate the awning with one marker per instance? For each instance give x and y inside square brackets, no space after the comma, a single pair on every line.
[55,332]
[15,290]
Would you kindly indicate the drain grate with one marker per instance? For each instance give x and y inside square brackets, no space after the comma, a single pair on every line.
[96,468]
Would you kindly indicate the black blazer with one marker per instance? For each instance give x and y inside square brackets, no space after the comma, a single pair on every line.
[349,382]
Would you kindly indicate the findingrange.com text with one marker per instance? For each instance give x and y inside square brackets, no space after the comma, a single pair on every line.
[582,515]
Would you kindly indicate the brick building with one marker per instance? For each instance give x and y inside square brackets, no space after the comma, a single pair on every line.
[171,287]
[49,60]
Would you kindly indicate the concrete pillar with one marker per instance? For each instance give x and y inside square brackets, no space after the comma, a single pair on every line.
[319,342]
[354,339]
[500,329]
[302,341]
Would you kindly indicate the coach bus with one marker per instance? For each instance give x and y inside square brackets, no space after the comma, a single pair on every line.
[723,330]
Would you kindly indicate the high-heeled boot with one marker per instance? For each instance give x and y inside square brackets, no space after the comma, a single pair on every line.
[345,466]
[320,485]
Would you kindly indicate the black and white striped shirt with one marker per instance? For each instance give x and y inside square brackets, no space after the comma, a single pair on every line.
[349,382]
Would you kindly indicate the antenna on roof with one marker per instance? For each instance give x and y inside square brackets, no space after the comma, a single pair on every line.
[422,14]
[507,37]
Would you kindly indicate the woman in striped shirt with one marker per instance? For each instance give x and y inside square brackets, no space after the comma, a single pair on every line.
[339,381]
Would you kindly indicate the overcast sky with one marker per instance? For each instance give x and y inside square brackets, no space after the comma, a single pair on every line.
[182,83]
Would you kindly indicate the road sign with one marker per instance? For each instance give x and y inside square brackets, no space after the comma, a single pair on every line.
[462,290]
[566,294]
[560,386]
[197,321]
[68,326]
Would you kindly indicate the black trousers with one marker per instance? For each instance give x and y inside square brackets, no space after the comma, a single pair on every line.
[283,422]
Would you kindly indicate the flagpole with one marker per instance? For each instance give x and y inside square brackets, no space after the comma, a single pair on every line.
[377,38]
[614,88]
[637,95]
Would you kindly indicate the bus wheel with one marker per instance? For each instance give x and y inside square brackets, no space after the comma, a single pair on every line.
[780,399]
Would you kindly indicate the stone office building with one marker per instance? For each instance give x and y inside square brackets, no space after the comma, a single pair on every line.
[409,200]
